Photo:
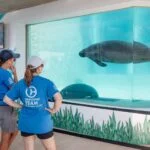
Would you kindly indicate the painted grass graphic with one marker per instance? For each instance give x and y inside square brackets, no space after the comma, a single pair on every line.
[110,129]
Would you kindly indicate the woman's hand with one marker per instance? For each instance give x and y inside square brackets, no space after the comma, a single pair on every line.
[51,110]
[57,103]
[14,72]
[13,69]
[12,103]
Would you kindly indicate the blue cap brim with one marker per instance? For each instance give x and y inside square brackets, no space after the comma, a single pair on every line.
[16,55]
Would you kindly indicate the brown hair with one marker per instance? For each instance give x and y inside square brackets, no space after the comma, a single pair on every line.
[1,62]
[29,74]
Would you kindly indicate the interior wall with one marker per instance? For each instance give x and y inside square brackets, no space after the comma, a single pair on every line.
[15,22]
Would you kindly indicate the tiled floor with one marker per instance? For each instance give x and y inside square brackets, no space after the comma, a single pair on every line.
[67,142]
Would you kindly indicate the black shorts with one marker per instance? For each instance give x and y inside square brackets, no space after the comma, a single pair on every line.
[40,136]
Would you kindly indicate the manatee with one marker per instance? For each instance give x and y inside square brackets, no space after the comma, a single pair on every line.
[79,91]
[115,51]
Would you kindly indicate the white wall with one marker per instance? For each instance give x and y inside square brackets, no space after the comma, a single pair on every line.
[16,21]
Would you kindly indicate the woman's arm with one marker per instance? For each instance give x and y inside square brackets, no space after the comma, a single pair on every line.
[14,72]
[10,102]
[57,103]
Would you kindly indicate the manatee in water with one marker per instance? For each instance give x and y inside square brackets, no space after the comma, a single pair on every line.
[116,52]
[79,91]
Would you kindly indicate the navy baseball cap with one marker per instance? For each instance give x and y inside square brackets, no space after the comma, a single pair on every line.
[7,54]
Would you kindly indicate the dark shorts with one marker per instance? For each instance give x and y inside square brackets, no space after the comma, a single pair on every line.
[40,136]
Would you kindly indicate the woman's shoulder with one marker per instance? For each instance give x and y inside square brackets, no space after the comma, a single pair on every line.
[21,81]
[19,84]
[4,71]
[44,79]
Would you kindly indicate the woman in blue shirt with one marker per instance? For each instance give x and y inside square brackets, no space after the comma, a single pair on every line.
[34,92]
[8,119]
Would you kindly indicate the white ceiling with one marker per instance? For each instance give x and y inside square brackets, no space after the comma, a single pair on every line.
[11,5]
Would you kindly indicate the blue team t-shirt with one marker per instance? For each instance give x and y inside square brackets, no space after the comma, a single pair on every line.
[33,117]
[6,82]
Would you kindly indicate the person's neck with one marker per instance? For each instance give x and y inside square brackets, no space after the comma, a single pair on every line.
[5,66]
[35,74]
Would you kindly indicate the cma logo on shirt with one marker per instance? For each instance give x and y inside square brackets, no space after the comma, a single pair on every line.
[31,99]
[31,92]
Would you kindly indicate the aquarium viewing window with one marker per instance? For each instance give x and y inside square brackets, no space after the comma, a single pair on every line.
[101,65]
[97,59]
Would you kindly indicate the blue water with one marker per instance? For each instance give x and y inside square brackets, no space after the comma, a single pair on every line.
[1,15]
[59,42]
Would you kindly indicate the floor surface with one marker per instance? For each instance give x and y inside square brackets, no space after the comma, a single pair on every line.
[67,142]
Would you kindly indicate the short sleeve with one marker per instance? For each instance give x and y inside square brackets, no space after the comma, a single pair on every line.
[8,80]
[13,93]
[51,90]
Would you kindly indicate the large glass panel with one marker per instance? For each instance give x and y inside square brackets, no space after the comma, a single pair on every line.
[141,80]
[88,57]
[1,15]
